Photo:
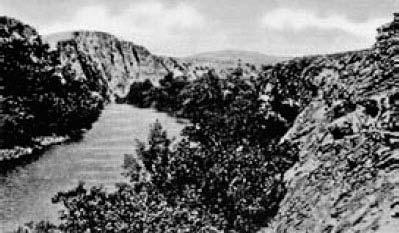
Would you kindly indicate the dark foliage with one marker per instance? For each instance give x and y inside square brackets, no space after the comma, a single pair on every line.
[187,189]
[140,94]
[226,174]
[163,97]
[42,96]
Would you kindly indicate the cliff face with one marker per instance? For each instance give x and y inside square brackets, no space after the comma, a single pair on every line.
[120,62]
[347,177]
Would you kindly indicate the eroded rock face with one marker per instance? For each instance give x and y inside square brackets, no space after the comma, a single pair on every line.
[347,177]
[120,62]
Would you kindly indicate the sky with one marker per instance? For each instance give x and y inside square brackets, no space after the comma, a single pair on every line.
[186,27]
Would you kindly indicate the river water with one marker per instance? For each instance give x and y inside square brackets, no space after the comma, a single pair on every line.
[26,191]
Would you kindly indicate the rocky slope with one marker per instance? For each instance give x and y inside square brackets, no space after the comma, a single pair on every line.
[346,179]
[120,62]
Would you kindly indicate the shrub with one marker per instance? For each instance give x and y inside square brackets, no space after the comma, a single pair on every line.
[242,185]
[139,94]
[129,210]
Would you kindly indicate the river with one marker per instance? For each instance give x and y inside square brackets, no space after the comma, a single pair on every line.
[26,191]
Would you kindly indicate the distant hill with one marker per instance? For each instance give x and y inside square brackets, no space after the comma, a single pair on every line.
[230,57]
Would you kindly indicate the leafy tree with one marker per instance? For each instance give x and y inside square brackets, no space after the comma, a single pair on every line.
[42,95]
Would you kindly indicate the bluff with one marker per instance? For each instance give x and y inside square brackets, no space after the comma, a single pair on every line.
[346,179]
[120,62]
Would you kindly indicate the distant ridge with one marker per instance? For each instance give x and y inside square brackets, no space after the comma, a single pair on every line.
[220,58]
[228,57]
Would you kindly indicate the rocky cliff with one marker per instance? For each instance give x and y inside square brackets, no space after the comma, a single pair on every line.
[347,177]
[120,62]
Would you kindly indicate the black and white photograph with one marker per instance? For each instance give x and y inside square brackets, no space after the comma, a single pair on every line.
[199,116]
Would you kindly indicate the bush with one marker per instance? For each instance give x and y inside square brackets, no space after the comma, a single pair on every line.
[139,94]
[164,97]
[242,186]
[128,210]
[230,112]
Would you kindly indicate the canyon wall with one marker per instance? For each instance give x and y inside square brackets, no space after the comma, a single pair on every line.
[346,179]
[120,62]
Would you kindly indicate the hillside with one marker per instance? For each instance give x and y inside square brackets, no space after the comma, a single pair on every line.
[230,58]
[346,179]
[22,30]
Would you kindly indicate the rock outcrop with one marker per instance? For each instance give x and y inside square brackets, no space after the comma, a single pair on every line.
[347,177]
[120,62]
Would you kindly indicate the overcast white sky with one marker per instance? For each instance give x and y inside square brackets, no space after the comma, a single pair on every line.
[184,27]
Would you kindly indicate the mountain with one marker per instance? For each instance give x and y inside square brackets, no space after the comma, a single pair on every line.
[228,58]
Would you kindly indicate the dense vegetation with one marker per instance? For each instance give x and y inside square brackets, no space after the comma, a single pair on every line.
[42,96]
[226,174]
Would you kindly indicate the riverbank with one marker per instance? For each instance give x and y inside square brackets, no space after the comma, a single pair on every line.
[20,154]
[97,158]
